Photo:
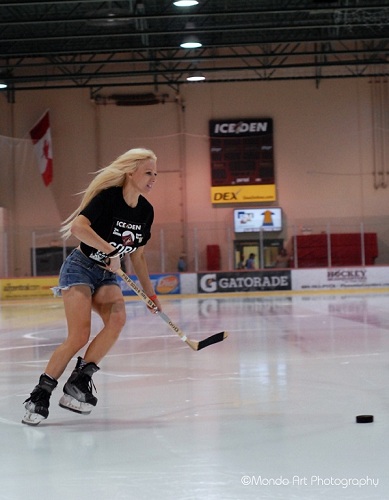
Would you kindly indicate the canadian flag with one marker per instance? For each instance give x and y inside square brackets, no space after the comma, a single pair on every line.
[41,138]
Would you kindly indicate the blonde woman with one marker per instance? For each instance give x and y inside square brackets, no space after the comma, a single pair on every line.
[113,219]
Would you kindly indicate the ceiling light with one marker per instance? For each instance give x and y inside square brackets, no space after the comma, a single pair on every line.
[111,17]
[196,77]
[190,41]
[185,3]
[3,85]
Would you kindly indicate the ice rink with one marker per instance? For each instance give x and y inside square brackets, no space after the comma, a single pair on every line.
[267,414]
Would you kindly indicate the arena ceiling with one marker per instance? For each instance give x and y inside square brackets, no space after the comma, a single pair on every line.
[133,43]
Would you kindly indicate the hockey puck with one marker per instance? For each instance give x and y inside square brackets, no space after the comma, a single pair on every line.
[364,419]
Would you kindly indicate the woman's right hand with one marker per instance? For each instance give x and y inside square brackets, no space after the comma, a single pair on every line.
[114,263]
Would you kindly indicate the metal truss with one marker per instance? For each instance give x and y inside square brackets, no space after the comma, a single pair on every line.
[135,43]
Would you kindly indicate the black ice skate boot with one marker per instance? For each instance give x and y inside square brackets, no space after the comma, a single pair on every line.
[78,395]
[37,405]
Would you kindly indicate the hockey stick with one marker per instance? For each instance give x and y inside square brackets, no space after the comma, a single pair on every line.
[194,344]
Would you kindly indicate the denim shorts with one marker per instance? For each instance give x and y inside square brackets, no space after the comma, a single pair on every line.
[78,269]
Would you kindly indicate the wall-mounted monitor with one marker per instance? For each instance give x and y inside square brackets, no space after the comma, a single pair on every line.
[248,220]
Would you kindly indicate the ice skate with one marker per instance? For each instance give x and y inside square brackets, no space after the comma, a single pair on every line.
[78,395]
[37,405]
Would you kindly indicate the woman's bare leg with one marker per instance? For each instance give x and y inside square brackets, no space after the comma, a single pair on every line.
[109,304]
[78,308]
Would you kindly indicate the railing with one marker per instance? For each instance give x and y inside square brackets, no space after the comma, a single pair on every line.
[210,246]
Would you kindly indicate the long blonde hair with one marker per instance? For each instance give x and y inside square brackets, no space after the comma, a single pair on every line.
[112,175]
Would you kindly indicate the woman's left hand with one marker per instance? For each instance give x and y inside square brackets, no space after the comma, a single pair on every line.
[157,303]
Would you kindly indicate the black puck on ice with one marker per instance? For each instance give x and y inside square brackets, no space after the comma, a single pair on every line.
[364,419]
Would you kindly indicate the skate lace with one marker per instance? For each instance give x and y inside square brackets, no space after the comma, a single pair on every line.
[39,395]
[85,383]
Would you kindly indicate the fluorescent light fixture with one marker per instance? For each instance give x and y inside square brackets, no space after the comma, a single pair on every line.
[3,85]
[185,3]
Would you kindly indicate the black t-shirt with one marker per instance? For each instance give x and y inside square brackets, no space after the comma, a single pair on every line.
[125,228]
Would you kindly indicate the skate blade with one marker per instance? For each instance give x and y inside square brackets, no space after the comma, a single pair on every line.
[70,403]
[32,418]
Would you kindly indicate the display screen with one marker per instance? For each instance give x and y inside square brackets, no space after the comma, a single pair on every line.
[257,219]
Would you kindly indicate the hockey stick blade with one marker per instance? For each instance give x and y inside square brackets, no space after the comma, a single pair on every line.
[193,344]
[214,339]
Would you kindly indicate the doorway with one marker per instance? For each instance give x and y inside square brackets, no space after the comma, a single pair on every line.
[264,259]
